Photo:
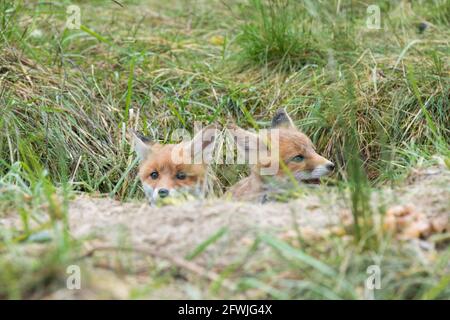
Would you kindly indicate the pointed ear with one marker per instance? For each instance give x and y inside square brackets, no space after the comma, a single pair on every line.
[141,145]
[245,140]
[282,120]
[203,141]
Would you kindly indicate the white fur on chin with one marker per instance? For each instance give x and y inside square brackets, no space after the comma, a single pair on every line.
[318,172]
[152,194]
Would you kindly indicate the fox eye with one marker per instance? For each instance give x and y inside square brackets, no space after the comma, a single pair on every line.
[298,158]
[154,175]
[181,175]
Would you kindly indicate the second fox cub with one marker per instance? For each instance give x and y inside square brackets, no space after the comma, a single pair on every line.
[295,151]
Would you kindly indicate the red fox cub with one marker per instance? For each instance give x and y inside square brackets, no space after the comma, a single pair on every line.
[165,170]
[295,155]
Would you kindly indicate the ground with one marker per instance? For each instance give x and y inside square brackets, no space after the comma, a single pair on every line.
[372,94]
[122,242]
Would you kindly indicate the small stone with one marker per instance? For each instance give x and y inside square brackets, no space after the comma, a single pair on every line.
[421,27]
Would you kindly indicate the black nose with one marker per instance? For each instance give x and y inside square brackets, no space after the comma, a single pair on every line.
[163,193]
[330,166]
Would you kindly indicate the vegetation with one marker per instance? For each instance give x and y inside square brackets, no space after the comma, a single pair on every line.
[375,101]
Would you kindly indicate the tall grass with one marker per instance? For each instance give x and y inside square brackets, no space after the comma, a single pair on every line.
[279,35]
[27,191]
[373,101]
[75,105]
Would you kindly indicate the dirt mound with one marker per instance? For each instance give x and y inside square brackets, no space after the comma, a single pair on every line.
[179,230]
[206,237]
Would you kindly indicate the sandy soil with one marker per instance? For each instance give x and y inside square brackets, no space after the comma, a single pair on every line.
[173,232]
[177,230]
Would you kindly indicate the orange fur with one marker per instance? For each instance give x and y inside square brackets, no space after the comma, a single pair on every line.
[160,161]
[291,143]
[163,170]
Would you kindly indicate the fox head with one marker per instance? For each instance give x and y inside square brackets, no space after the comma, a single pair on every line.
[165,169]
[295,149]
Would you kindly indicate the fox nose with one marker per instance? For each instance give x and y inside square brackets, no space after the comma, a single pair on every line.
[330,166]
[163,193]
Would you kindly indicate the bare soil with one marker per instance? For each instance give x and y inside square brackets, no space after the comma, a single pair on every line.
[172,233]
[177,230]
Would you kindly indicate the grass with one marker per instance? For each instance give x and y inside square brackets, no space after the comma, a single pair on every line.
[374,101]
[278,35]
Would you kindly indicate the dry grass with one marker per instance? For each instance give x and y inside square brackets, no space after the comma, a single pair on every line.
[374,101]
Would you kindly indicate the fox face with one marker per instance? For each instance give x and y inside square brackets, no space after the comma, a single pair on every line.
[298,153]
[167,169]
[295,150]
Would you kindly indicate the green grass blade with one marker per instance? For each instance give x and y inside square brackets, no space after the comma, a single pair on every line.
[205,244]
[297,254]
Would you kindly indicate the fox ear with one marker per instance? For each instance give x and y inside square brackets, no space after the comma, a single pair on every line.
[282,120]
[245,140]
[203,141]
[141,145]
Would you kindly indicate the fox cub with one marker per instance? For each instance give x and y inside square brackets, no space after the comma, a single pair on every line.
[165,170]
[295,155]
